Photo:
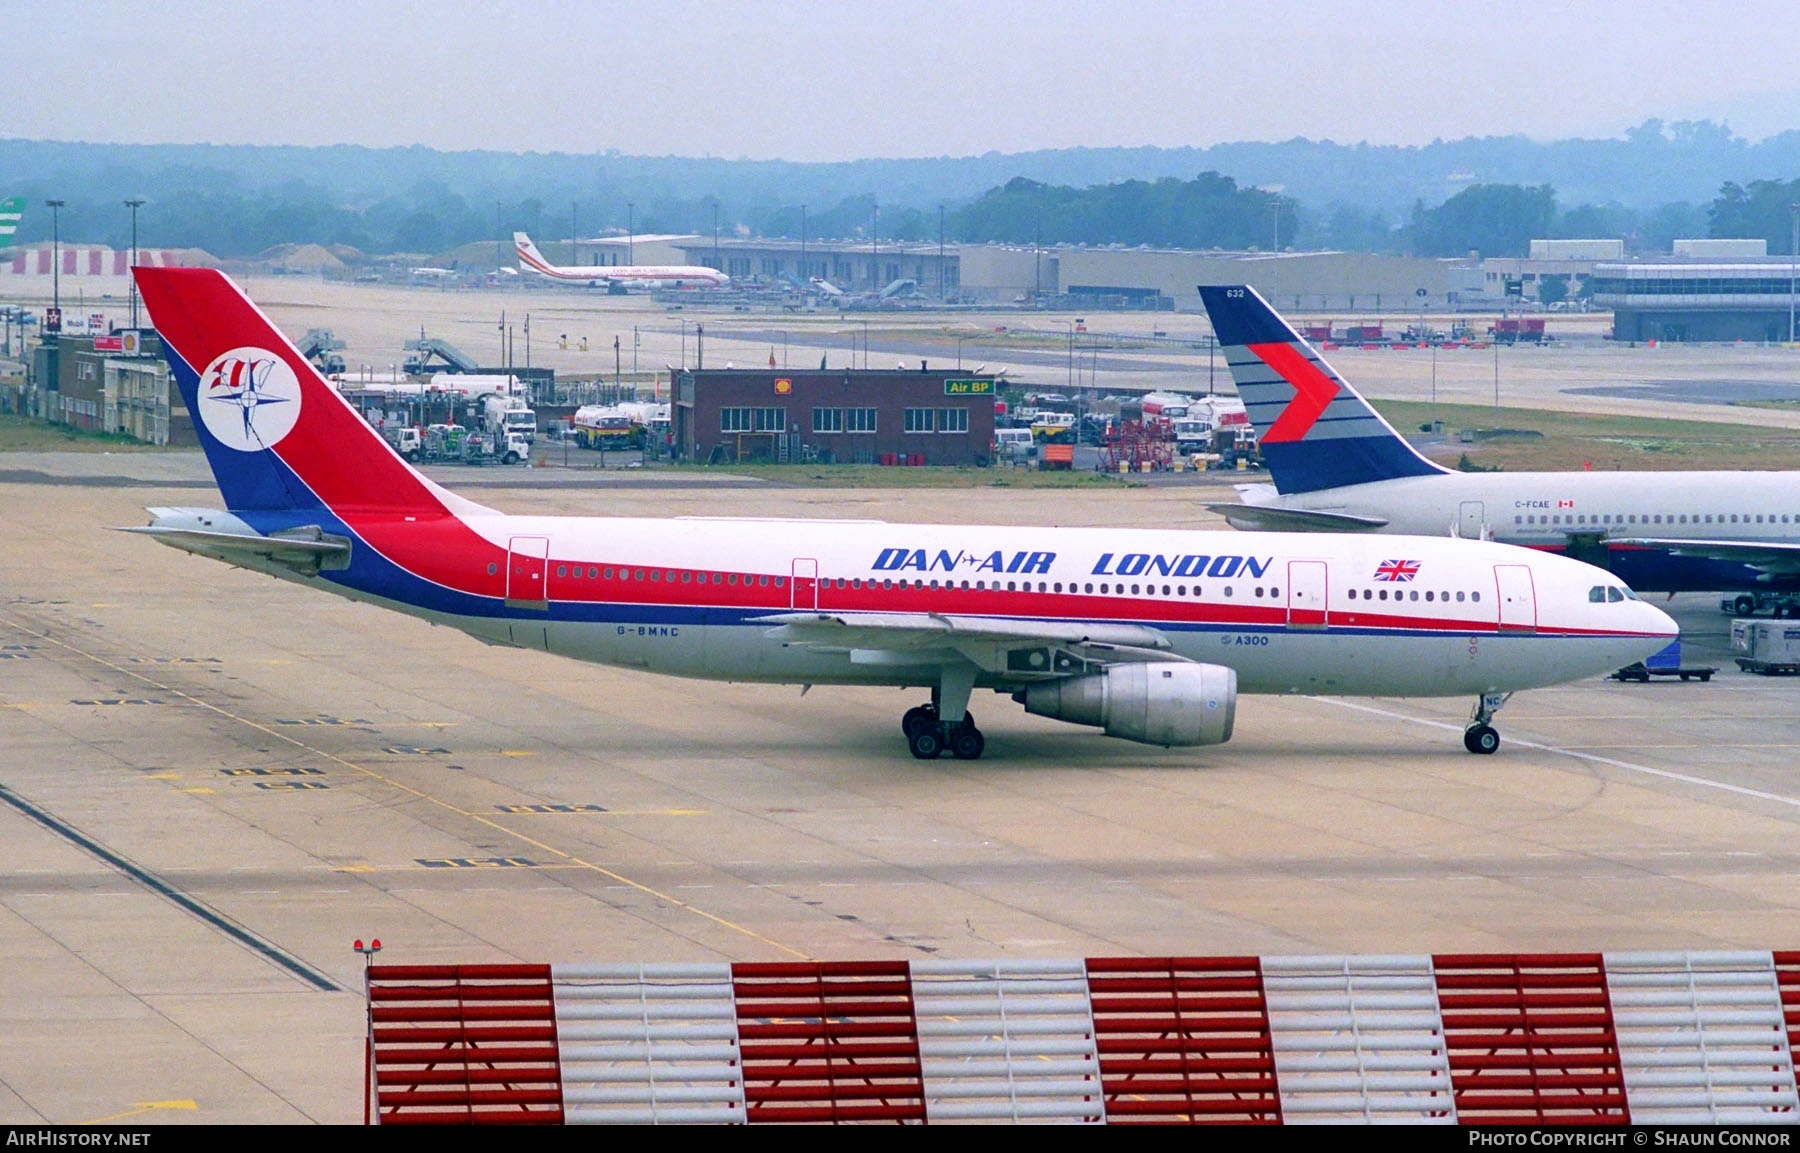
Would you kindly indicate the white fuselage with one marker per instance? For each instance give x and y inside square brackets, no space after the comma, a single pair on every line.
[1546,508]
[1289,612]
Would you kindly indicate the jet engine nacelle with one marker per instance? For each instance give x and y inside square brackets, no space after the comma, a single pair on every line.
[1157,704]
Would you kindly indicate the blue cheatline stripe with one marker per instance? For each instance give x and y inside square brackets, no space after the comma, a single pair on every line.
[167,891]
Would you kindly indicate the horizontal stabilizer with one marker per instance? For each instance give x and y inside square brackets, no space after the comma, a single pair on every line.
[308,549]
[1273,518]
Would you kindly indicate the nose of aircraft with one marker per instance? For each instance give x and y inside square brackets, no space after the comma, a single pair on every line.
[1660,622]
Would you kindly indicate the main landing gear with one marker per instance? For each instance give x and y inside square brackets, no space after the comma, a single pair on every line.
[928,737]
[946,722]
[1480,737]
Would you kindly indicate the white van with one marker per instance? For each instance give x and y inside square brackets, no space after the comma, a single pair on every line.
[1014,444]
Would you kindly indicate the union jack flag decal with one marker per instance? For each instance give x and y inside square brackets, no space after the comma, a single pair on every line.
[1396,570]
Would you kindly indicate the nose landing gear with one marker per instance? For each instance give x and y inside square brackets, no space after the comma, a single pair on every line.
[1480,737]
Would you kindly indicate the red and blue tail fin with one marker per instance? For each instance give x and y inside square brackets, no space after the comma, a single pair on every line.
[279,438]
[1316,431]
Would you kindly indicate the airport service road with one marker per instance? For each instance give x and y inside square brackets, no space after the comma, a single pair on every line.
[215,781]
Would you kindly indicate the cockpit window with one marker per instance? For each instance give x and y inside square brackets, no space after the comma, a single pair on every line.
[1615,594]
[1597,595]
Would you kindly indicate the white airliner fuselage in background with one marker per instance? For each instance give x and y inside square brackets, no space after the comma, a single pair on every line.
[604,275]
[1149,635]
[1339,467]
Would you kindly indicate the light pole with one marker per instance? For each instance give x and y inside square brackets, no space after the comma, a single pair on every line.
[1071,325]
[1275,268]
[55,207]
[630,234]
[940,253]
[1793,257]
[134,204]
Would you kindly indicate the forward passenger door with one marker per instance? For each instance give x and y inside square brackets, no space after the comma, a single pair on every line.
[1307,588]
[1517,598]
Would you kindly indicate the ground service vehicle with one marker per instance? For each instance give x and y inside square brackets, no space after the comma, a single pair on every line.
[1771,648]
[606,427]
[509,415]
[1014,444]
[407,441]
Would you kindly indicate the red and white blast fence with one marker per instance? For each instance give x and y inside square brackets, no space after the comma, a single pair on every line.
[1459,1039]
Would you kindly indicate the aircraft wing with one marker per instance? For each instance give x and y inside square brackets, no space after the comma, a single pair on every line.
[308,550]
[1769,556]
[1025,649]
[1274,518]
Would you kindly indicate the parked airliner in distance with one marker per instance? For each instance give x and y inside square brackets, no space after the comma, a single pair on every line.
[1149,635]
[607,275]
[1339,467]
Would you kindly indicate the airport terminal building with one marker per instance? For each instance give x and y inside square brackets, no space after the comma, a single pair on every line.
[1751,300]
[1095,277]
[892,416]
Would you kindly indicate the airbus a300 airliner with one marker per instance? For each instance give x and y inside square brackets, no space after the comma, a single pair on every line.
[1148,635]
[1339,467]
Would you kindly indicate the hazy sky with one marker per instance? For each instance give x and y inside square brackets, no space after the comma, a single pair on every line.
[840,81]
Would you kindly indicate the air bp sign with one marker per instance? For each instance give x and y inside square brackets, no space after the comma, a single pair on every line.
[969,387]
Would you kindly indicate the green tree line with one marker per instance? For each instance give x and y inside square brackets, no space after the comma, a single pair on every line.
[196,209]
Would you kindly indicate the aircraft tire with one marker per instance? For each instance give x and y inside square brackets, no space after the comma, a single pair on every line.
[926,742]
[1481,740]
[967,743]
[915,717]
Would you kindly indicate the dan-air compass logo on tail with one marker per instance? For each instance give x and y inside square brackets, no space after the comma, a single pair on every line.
[249,399]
